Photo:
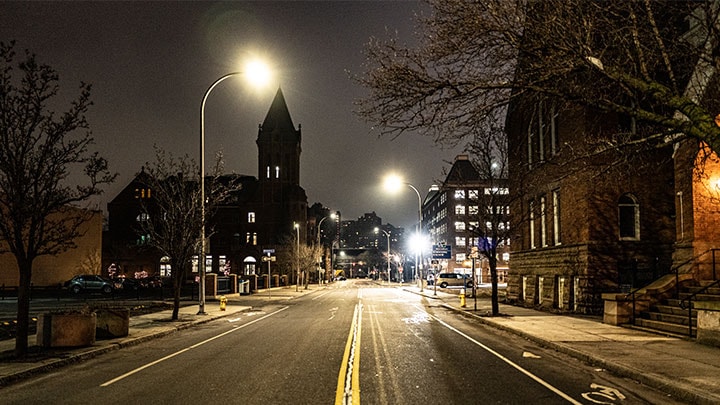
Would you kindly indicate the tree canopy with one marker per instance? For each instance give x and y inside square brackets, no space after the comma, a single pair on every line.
[655,61]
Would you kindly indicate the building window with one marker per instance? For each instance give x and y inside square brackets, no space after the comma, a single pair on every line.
[497,191]
[460,257]
[267,172]
[459,226]
[473,210]
[531,216]
[543,224]
[254,238]
[142,217]
[459,210]
[629,217]
[459,241]
[142,193]
[474,194]
[556,216]
[251,217]
[165,268]
[459,194]
[277,172]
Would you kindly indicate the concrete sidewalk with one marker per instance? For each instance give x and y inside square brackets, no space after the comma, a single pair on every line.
[689,371]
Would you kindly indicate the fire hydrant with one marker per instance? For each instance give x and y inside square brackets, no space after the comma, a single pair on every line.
[462,298]
[223,302]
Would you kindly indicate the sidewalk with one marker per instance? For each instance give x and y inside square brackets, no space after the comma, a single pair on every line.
[689,371]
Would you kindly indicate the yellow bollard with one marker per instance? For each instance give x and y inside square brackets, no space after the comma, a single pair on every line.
[462,298]
[223,302]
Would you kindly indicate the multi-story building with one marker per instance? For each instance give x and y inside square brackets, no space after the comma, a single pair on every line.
[259,216]
[468,211]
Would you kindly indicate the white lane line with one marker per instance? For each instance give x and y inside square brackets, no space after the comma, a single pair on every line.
[508,361]
[139,369]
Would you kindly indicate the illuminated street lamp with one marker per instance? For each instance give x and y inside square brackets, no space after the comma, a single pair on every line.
[393,183]
[260,75]
[297,254]
[388,253]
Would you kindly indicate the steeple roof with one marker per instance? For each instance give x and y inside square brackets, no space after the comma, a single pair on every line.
[278,117]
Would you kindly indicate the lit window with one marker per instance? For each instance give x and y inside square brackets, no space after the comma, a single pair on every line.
[459,241]
[251,217]
[460,257]
[459,226]
[474,194]
[473,210]
[459,194]
[277,172]
[459,210]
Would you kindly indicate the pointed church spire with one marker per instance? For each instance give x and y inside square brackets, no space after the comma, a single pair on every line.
[278,117]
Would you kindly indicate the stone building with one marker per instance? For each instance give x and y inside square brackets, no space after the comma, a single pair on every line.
[259,216]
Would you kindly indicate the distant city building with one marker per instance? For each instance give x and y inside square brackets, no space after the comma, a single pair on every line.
[460,213]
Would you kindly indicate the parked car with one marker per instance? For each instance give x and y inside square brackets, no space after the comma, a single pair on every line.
[454,279]
[90,282]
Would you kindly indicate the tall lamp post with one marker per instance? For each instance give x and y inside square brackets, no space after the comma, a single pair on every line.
[392,183]
[258,72]
[297,254]
[318,240]
[388,249]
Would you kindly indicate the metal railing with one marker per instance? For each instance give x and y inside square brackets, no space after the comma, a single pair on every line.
[689,299]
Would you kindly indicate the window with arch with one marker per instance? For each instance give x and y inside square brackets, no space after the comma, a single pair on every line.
[629,217]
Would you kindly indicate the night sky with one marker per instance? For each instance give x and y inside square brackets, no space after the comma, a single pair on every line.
[151,62]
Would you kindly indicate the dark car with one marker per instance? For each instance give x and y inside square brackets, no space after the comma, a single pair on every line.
[90,282]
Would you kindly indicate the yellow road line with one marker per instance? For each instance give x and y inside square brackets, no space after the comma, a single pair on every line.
[348,390]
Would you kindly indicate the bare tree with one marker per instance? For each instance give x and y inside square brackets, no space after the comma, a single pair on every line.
[172,219]
[489,150]
[654,61]
[39,152]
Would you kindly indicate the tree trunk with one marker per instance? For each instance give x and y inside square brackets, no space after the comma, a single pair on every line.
[23,309]
[494,280]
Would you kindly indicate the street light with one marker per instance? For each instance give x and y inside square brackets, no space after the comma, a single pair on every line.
[393,183]
[388,253]
[297,255]
[318,241]
[260,75]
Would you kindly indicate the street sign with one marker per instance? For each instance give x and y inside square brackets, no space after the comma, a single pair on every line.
[268,258]
[442,252]
[268,252]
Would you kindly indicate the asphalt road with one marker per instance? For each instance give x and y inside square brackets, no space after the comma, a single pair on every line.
[352,342]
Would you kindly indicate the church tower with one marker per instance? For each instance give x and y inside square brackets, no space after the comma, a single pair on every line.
[283,201]
[279,146]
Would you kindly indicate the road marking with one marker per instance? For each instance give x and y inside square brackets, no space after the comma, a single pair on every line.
[348,386]
[318,296]
[530,355]
[196,345]
[508,361]
[608,393]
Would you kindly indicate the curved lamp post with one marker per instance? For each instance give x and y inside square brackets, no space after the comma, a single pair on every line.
[256,70]
[392,183]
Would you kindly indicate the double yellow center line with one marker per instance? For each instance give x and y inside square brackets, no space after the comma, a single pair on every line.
[348,386]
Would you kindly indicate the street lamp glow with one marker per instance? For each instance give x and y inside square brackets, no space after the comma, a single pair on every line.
[393,183]
[258,73]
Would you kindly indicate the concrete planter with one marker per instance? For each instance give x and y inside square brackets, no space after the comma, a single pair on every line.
[73,329]
[112,323]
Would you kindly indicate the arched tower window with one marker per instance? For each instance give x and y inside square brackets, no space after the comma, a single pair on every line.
[629,217]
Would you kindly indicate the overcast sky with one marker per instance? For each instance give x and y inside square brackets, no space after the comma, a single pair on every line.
[151,62]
